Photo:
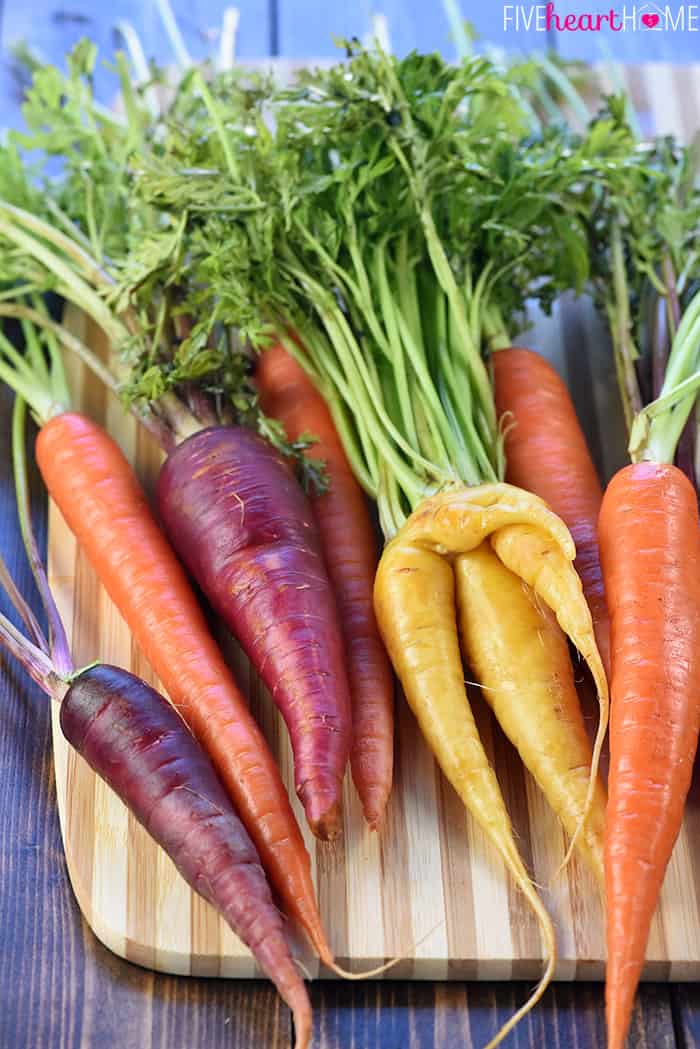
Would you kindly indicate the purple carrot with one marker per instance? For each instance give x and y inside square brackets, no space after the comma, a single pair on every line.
[245,530]
[137,742]
[139,745]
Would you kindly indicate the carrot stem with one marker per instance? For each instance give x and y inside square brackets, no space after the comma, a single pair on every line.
[22,608]
[672,297]
[38,228]
[46,402]
[59,648]
[658,427]
[621,327]
[35,662]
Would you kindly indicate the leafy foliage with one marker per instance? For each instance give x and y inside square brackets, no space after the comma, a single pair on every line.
[384,218]
[72,171]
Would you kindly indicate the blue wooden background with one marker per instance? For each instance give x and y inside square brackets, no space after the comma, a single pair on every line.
[304,29]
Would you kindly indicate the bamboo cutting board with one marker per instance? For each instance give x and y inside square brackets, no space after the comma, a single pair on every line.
[428,888]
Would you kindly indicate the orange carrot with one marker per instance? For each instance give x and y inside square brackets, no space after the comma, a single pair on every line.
[350,550]
[102,502]
[546,453]
[650,551]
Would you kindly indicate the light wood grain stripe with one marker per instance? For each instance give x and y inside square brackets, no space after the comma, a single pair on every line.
[365,927]
[78,597]
[517,785]
[332,894]
[457,883]
[398,927]
[490,881]
[423,875]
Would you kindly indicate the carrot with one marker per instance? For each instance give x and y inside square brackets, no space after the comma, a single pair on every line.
[415,593]
[135,740]
[243,527]
[349,546]
[138,743]
[644,228]
[414,599]
[520,657]
[650,549]
[257,558]
[546,453]
[102,502]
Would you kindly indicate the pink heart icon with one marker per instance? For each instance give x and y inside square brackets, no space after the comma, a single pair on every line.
[650,21]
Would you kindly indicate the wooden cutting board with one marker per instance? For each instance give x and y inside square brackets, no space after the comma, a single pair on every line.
[428,888]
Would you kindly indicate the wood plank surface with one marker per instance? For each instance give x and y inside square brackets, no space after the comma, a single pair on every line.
[307,27]
[300,29]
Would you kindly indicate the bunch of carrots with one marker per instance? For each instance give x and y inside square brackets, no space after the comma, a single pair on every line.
[316,310]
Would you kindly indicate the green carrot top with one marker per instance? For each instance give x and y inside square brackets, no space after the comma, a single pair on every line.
[71,223]
[386,219]
[645,251]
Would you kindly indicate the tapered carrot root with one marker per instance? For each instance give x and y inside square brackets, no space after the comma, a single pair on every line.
[103,504]
[243,527]
[520,657]
[546,453]
[539,561]
[415,604]
[350,549]
[132,737]
[650,547]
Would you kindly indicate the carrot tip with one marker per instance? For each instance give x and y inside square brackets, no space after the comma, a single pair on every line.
[302,1024]
[326,825]
[374,820]
[374,804]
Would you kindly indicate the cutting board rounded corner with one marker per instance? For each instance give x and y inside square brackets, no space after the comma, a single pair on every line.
[129,950]
[111,938]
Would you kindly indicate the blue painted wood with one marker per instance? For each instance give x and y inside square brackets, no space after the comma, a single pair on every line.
[306,27]
[51,27]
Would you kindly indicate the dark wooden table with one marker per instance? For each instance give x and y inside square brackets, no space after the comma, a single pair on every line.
[59,988]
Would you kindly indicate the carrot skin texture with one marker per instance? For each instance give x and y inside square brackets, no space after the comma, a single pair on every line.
[103,504]
[650,547]
[415,601]
[136,741]
[546,453]
[349,546]
[518,651]
[243,527]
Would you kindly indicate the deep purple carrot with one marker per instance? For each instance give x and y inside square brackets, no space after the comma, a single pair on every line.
[245,530]
[136,741]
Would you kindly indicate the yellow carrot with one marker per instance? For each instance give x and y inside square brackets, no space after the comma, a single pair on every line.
[520,657]
[415,602]
[536,545]
[415,606]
